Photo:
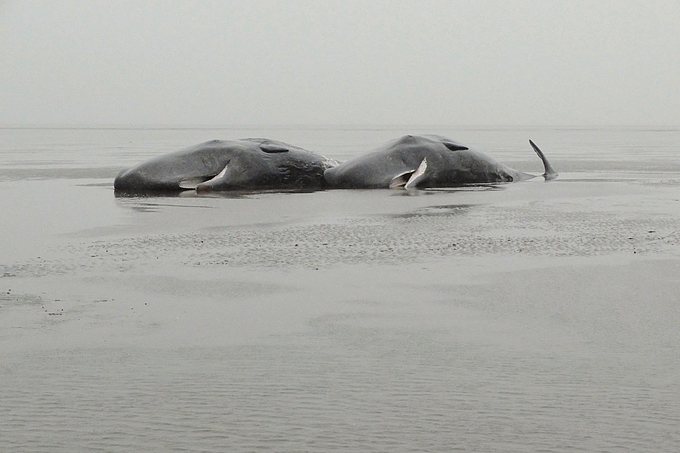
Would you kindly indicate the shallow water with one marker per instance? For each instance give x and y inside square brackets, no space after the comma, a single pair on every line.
[524,317]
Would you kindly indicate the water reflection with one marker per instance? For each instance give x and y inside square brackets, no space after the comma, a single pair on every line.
[436,211]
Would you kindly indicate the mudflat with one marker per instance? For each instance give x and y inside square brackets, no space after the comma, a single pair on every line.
[516,317]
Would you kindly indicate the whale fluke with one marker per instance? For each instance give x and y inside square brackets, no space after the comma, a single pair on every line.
[550,173]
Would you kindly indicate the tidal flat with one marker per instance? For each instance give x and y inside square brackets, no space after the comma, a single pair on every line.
[536,316]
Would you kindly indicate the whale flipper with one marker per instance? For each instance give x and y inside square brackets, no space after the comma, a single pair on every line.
[399,181]
[453,146]
[203,186]
[409,179]
[550,172]
[418,175]
[273,148]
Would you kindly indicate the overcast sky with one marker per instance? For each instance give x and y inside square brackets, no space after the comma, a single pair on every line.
[367,62]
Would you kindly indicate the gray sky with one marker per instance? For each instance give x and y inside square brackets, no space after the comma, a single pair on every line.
[368,62]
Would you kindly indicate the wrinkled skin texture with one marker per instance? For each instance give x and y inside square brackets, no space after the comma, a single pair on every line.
[449,164]
[221,165]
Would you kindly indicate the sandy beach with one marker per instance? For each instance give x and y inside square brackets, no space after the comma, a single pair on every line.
[537,316]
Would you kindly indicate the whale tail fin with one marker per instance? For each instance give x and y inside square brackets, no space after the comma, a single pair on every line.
[409,179]
[550,172]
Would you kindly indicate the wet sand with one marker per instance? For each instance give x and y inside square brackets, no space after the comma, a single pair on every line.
[525,317]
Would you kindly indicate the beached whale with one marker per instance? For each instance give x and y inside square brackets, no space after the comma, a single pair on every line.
[221,165]
[425,161]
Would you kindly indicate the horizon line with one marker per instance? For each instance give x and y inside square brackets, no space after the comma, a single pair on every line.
[346,126]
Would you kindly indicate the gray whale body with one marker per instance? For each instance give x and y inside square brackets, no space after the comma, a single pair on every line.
[425,161]
[223,165]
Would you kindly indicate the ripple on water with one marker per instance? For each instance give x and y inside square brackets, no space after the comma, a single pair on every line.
[346,386]
[477,231]
[421,235]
